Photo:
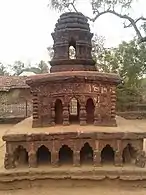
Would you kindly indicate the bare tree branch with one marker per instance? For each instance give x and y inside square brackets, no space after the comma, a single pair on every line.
[72,4]
[137,20]
[110,9]
[131,20]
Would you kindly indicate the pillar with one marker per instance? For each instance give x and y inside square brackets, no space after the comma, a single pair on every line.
[118,158]
[36,120]
[76,158]
[97,158]
[118,154]
[55,158]
[65,115]
[113,106]
[9,161]
[32,159]
[53,114]
[96,115]
[82,114]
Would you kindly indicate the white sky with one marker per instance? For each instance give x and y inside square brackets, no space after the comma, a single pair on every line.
[26,26]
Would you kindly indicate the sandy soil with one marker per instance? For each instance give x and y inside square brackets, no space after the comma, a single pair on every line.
[76,191]
[123,125]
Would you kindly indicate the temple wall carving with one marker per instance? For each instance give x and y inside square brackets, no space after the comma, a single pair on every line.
[102,96]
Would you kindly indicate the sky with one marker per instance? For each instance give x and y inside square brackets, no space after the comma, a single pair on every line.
[26,27]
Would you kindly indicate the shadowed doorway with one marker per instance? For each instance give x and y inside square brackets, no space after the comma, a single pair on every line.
[86,154]
[107,155]
[43,155]
[58,112]
[90,111]
[65,155]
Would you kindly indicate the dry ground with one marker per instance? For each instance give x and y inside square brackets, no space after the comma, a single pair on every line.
[76,191]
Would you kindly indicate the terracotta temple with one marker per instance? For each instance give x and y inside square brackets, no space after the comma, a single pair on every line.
[74,92]
[71,107]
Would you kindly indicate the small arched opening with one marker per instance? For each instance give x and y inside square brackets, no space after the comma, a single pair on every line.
[21,156]
[72,49]
[58,112]
[129,154]
[86,154]
[43,155]
[65,155]
[107,155]
[74,111]
[90,111]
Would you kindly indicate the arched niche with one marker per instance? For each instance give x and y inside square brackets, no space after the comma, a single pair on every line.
[86,154]
[74,111]
[129,154]
[107,155]
[20,156]
[43,155]
[58,112]
[90,108]
[65,155]
[72,49]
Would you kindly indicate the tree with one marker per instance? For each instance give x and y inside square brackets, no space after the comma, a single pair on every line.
[17,68]
[128,60]
[2,70]
[40,68]
[102,7]
[43,67]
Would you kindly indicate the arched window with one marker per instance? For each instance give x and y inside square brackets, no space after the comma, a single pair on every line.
[72,49]
[74,109]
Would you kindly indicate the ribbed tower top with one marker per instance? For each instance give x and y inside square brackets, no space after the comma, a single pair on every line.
[72,30]
[72,20]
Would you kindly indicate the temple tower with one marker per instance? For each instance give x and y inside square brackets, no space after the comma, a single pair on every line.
[72,31]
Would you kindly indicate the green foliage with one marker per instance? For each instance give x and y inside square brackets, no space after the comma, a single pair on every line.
[18,67]
[128,60]
[2,70]
[40,68]
[43,67]
[128,97]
